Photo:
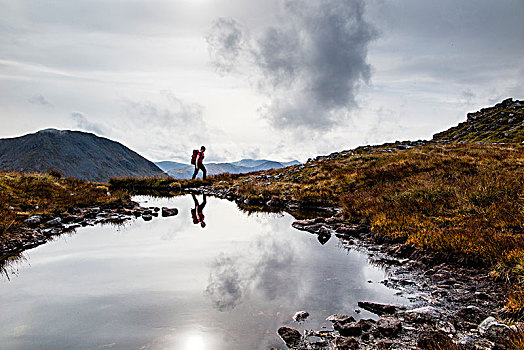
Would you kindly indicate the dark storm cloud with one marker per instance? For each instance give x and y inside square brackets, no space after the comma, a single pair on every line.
[225,42]
[83,123]
[311,64]
[39,100]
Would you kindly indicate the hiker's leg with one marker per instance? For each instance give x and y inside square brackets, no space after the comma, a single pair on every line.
[204,171]
[195,173]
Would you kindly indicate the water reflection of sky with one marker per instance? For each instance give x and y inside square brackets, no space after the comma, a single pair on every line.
[171,284]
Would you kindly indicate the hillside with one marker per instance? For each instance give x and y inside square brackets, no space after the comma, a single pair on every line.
[75,154]
[182,171]
[503,122]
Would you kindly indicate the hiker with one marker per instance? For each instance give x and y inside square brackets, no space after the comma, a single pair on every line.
[197,212]
[198,163]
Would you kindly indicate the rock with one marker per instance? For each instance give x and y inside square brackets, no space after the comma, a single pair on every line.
[323,238]
[274,203]
[384,344]
[434,340]
[376,308]
[155,214]
[290,336]
[54,222]
[366,324]
[300,316]
[340,318]
[147,212]
[147,217]
[156,209]
[494,330]
[469,315]
[33,220]
[423,314]
[169,212]
[348,329]
[389,325]
[342,343]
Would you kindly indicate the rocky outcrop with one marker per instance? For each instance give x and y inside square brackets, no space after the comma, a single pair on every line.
[503,122]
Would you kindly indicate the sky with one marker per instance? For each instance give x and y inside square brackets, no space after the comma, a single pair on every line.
[265,79]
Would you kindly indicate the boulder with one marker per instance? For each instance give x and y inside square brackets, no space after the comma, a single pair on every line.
[343,343]
[33,220]
[290,336]
[376,308]
[169,212]
[389,325]
[423,314]
[340,318]
[54,222]
[494,330]
[300,316]
[348,329]
[434,340]
[366,324]
[147,217]
[469,314]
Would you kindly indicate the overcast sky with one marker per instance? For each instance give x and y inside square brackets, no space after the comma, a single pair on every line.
[271,79]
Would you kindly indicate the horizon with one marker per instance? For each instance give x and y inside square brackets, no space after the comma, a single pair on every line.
[164,76]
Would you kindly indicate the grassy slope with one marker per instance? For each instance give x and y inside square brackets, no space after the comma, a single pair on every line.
[22,195]
[464,200]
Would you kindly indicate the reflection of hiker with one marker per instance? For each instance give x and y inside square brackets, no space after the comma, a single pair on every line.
[197,211]
[198,159]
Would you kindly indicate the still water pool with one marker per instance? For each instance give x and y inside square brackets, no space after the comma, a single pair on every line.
[173,284]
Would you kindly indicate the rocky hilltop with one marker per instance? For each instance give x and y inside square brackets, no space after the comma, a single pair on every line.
[75,154]
[503,123]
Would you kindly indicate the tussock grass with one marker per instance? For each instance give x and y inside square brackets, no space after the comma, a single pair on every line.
[22,195]
[465,201]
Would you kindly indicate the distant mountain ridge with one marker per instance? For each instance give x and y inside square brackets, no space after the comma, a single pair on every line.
[185,171]
[75,154]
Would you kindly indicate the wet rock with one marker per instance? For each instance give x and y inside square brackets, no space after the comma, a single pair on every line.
[54,222]
[323,238]
[348,329]
[384,344]
[389,325]
[340,318]
[343,343]
[300,316]
[494,330]
[155,214]
[290,336]
[376,308]
[469,317]
[434,340]
[156,209]
[169,212]
[147,217]
[423,314]
[33,220]
[366,324]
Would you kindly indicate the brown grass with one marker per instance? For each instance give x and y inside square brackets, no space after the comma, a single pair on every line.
[22,195]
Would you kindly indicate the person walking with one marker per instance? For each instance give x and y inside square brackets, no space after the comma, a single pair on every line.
[197,212]
[199,164]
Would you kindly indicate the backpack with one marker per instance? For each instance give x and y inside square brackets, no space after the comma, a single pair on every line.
[194,156]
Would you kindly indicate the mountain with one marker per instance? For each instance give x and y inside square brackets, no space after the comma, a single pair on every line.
[75,154]
[503,122]
[182,171]
[167,165]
